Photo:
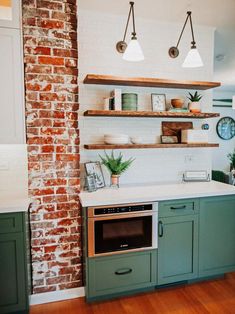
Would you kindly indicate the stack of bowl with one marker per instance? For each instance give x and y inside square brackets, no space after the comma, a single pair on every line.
[116,139]
[129,101]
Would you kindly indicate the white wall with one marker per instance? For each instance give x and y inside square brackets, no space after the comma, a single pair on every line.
[98,34]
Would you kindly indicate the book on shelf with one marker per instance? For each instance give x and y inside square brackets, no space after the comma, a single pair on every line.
[182,110]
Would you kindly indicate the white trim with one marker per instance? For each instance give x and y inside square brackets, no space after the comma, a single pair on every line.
[54,296]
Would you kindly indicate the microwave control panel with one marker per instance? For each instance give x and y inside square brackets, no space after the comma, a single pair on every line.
[123,209]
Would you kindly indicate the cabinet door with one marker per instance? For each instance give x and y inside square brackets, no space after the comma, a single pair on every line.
[217,235]
[177,249]
[11,88]
[12,273]
[10,13]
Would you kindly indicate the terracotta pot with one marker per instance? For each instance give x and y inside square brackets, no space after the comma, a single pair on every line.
[177,103]
[115,180]
[195,107]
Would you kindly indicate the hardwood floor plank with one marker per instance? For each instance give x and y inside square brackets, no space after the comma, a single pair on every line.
[213,297]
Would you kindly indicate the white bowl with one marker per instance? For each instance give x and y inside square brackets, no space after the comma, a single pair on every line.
[123,136]
[136,140]
[116,141]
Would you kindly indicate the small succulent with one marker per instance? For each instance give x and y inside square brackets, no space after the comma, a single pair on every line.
[116,165]
[231,158]
[194,98]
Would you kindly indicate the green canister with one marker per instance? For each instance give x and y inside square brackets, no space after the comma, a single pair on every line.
[129,102]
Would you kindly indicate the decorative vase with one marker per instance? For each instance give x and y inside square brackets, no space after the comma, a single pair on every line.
[114,181]
[194,107]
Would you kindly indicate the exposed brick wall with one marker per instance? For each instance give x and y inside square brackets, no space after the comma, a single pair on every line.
[51,88]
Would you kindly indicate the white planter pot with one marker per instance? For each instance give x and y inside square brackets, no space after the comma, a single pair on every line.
[195,106]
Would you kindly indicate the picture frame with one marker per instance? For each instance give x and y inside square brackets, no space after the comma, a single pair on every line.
[169,139]
[90,183]
[158,102]
[94,168]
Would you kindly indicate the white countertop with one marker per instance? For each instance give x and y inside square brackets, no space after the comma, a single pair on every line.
[13,205]
[154,192]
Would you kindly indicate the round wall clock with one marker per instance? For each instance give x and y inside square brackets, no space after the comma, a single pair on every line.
[226,128]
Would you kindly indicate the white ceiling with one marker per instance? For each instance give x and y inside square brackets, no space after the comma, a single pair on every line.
[217,13]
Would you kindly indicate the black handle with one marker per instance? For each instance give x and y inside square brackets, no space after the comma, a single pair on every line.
[160,229]
[179,207]
[123,272]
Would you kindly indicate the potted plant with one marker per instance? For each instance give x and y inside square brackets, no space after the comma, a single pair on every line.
[231,158]
[194,105]
[116,166]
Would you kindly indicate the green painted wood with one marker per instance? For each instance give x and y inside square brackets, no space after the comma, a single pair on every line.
[178,249]
[13,276]
[11,222]
[178,207]
[110,275]
[217,235]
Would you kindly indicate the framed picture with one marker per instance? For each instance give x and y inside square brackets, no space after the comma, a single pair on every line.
[90,183]
[94,169]
[158,102]
[169,139]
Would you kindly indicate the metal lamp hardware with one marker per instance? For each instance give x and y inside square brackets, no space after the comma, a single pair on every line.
[122,45]
[174,51]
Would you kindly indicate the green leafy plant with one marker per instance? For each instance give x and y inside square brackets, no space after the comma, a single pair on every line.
[231,158]
[194,98]
[116,165]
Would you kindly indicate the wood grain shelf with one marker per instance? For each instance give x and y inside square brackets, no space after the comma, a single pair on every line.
[146,146]
[149,114]
[147,82]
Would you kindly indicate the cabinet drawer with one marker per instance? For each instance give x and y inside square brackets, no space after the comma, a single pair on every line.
[10,223]
[120,273]
[178,207]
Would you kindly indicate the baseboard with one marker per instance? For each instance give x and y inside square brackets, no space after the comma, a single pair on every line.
[54,296]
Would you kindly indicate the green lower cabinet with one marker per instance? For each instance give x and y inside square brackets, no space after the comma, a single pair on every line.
[217,235]
[117,274]
[177,249]
[13,278]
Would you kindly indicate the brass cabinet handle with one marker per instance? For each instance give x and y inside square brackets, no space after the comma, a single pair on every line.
[123,272]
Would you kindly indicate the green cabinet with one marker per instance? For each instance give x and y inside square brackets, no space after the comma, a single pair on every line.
[117,274]
[217,235]
[177,248]
[13,267]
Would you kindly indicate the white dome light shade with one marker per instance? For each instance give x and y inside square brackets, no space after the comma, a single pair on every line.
[133,51]
[193,59]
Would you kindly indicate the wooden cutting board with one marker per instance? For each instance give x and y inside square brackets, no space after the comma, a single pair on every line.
[174,128]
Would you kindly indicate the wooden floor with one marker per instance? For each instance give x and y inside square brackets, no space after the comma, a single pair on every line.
[217,297]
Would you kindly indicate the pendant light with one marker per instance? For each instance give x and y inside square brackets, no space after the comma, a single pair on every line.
[193,58]
[132,51]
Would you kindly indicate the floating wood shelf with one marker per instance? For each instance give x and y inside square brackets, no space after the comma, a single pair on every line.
[148,82]
[144,146]
[149,114]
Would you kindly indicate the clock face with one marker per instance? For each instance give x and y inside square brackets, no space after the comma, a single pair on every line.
[226,128]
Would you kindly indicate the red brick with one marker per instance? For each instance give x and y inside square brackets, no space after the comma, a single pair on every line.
[52,24]
[51,60]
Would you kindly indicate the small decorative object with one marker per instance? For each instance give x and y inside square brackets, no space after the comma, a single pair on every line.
[225,128]
[136,140]
[129,102]
[194,136]
[116,166]
[231,158]
[193,58]
[181,110]
[169,139]
[205,126]
[90,184]
[194,105]
[94,169]
[116,94]
[196,176]
[177,103]
[158,102]
[174,128]
[132,51]
[116,139]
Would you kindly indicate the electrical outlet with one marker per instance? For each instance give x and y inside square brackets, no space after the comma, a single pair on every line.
[188,159]
[4,165]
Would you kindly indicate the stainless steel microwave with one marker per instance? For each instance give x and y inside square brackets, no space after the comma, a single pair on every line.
[121,228]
